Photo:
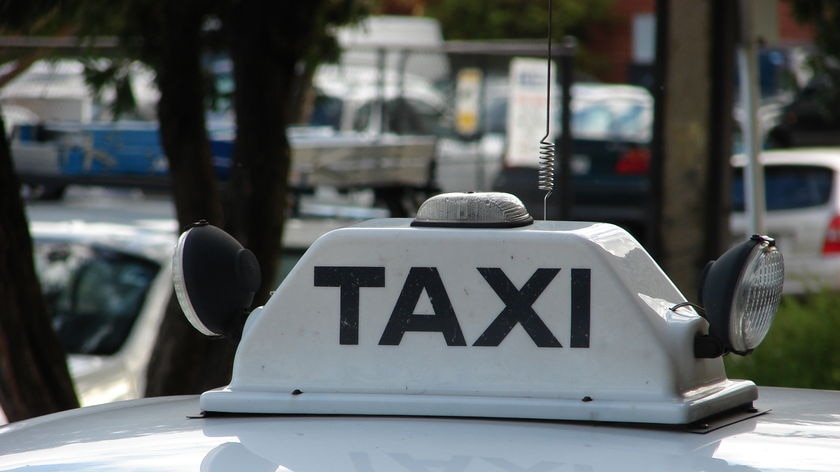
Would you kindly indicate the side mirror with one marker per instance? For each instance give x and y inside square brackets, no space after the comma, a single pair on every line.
[215,279]
[740,293]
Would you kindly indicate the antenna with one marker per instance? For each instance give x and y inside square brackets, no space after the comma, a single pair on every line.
[546,172]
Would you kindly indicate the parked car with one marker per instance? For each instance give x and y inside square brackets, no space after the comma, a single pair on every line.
[365,132]
[105,269]
[354,99]
[802,189]
[417,345]
[104,260]
[611,127]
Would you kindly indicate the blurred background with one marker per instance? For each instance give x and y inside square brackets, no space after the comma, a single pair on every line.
[126,123]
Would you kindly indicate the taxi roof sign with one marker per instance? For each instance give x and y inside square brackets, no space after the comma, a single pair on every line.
[552,320]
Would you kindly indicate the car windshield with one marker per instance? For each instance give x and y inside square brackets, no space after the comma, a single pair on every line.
[93,295]
[787,187]
[402,116]
[612,119]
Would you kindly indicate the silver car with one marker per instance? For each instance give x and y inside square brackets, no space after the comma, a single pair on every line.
[104,259]
[803,213]
[104,265]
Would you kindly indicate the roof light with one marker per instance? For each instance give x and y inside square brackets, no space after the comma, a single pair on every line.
[557,320]
[741,292]
[473,210]
[215,279]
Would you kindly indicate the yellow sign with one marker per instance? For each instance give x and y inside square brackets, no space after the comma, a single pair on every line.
[468,100]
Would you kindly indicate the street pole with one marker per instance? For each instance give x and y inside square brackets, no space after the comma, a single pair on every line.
[567,65]
[747,56]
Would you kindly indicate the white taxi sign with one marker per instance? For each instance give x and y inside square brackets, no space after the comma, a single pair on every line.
[548,320]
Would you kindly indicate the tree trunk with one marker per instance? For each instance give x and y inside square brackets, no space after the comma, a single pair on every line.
[184,361]
[267,43]
[33,370]
[680,185]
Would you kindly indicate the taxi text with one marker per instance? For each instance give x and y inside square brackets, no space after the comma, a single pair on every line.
[518,302]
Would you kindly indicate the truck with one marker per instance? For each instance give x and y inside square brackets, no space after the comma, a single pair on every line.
[372,125]
[361,148]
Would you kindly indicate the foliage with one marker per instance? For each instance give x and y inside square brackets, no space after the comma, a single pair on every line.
[824,15]
[512,19]
[801,349]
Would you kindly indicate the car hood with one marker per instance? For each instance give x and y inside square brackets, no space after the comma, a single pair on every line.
[796,430]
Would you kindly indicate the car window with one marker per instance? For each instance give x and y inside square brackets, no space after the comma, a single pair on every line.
[326,111]
[788,187]
[93,295]
[495,115]
[613,119]
[362,118]
[409,116]
[592,122]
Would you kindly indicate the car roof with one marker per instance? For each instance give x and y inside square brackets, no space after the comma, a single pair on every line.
[791,430]
[138,223]
[591,91]
[824,156]
[124,221]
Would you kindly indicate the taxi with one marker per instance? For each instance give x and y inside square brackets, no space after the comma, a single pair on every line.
[468,338]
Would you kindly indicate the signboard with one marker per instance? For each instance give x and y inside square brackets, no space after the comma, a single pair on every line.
[468,101]
[527,110]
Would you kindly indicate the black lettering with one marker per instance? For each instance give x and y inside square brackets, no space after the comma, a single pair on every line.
[518,308]
[349,279]
[404,319]
[581,303]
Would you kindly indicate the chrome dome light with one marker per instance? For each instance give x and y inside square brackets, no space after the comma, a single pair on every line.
[741,292]
[473,210]
[215,279]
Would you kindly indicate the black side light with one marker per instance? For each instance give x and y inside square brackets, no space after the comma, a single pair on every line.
[740,293]
[215,279]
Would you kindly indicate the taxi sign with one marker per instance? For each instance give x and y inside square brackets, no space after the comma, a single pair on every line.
[550,320]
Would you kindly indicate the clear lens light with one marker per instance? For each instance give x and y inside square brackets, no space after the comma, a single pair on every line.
[473,209]
[757,299]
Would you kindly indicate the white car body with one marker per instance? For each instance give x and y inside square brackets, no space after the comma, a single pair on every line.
[797,431]
[148,230]
[801,229]
[459,341]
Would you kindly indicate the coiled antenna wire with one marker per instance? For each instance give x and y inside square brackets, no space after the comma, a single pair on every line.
[547,148]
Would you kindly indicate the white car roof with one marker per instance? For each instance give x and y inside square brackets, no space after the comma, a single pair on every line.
[131,224]
[137,223]
[793,430]
[824,156]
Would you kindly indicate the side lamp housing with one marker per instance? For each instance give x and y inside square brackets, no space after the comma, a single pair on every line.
[215,280]
[740,293]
